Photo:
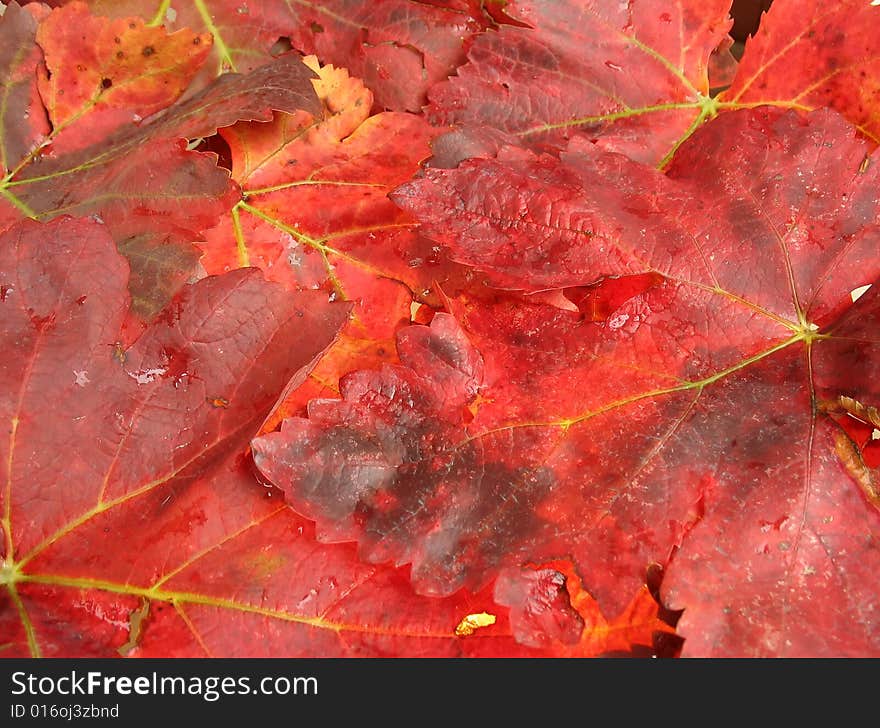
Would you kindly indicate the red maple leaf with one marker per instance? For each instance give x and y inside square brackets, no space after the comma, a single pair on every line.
[524,384]
[693,425]
[635,76]
[145,447]
[399,47]
[132,522]
[117,147]
[635,73]
[815,54]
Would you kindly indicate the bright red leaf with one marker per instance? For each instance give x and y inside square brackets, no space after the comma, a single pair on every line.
[815,54]
[689,426]
[525,385]
[315,214]
[634,75]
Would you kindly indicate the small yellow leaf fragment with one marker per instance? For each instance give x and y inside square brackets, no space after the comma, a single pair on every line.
[479,400]
[473,622]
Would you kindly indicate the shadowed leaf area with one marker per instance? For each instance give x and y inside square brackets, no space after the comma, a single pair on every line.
[111,141]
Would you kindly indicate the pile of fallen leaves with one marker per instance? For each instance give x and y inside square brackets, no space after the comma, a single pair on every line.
[448,327]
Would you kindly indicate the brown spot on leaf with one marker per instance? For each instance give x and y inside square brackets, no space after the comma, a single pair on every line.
[135,627]
[860,411]
[119,352]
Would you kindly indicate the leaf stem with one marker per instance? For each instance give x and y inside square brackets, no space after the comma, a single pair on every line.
[708,109]
[33,645]
[160,13]
[22,207]
[244,259]
[226,62]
